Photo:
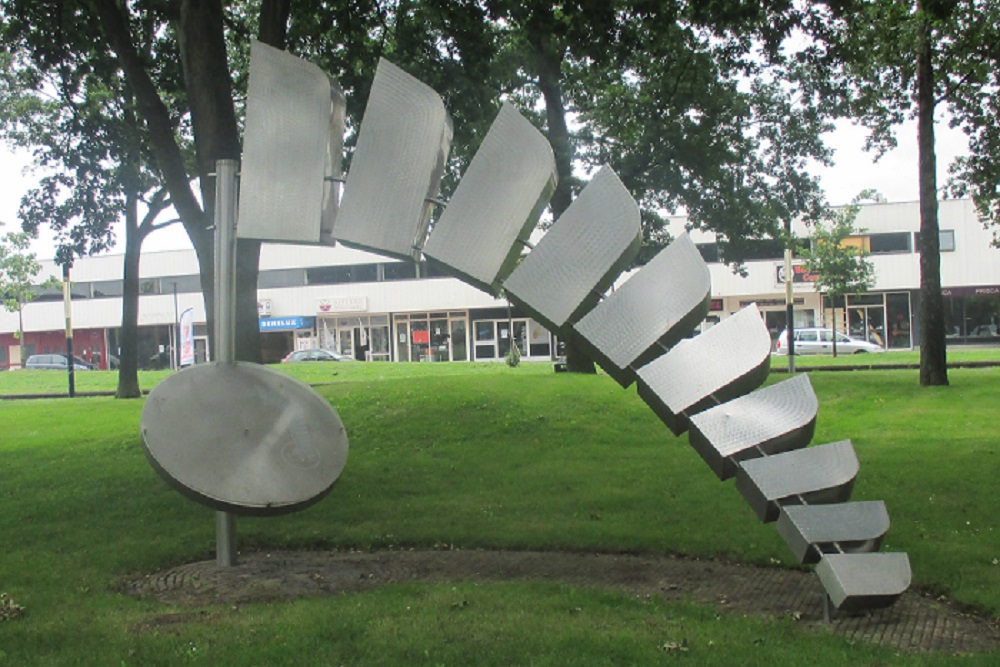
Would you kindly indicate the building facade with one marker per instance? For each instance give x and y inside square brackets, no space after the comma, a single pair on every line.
[379,309]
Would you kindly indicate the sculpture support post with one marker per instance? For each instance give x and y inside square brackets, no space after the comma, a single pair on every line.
[225,318]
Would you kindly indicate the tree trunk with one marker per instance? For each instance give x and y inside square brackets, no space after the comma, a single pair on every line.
[933,358]
[548,64]
[128,356]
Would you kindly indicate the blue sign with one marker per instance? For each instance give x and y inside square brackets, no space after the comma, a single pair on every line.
[285,323]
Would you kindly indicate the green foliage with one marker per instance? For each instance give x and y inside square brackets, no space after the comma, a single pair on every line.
[840,268]
[18,269]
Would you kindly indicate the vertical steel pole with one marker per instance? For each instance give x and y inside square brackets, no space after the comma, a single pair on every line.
[789,300]
[225,319]
[68,310]
[175,358]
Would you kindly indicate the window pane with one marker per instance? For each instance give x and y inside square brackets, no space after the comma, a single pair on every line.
[889,243]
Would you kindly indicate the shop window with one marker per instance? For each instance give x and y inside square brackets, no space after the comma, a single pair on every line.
[709,252]
[102,289]
[338,275]
[399,271]
[889,243]
[190,284]
[277,278]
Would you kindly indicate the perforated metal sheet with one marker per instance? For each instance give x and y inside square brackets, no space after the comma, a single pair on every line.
[775,419]
[580,256]
[497,203]
[243,438]
[660,304]
[293,141]
[855,527]
[855,581]
[729,360]
[397,166]
[814,475]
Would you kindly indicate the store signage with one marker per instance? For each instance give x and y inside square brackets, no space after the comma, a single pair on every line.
[285,323]
[343,304]
[263,307]
[799,274]
[989,290]
[421,337]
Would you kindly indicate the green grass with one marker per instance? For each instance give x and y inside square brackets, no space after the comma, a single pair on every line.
[955,355]
[477,455]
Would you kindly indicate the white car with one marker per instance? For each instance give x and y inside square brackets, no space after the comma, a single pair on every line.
[815,340]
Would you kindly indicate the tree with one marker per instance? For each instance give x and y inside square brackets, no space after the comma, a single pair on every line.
[880,61]
[659,92]
[83,133]
[840,268]
[18,269]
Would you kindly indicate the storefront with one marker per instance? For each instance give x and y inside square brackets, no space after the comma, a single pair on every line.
[440,336]
[364,337]
[281,335]
[883,318]
[972,314]
[496,330]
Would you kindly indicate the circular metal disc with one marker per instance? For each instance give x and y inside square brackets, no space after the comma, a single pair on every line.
[243,438]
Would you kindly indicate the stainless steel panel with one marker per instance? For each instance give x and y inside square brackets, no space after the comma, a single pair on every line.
[812,530]
[864,581]
[292,144]
[660,304]
[497,203]
[397,166]
[727,361]
[243,438]
[774,419]
[580,257]
[814,475]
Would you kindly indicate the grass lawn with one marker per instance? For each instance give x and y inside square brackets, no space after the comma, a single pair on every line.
[476,455]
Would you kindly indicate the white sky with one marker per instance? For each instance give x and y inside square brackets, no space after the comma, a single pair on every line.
[894,176]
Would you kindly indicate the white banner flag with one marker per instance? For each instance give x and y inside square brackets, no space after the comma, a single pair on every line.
[187,337]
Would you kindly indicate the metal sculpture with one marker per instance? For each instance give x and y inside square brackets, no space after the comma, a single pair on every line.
[656,307]
[811,531]
[292,151]
[708,378]
[397,166]
[579,258]
[267,445]
[775,419]
[864,581]
[496,205]
[823,474]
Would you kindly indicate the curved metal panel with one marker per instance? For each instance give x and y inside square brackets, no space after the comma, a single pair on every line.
[729,360]
[864,581]
[813,530]
[497,203]
[243,438]
[396,168]
[814,475]
[580,256]
[777,418]
[293,146]
[660,304]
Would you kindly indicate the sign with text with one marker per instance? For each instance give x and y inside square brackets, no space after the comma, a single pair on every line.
[799,274]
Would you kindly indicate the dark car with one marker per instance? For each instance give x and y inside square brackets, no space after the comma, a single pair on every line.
[315,355]
[55,362]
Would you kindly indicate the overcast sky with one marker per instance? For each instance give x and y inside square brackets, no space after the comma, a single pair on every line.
[894,176]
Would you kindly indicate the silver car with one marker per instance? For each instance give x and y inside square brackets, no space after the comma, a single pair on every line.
[816,340]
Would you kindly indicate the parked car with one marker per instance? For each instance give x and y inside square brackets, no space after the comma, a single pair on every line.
[315,355]
[816,340]
[55,362]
